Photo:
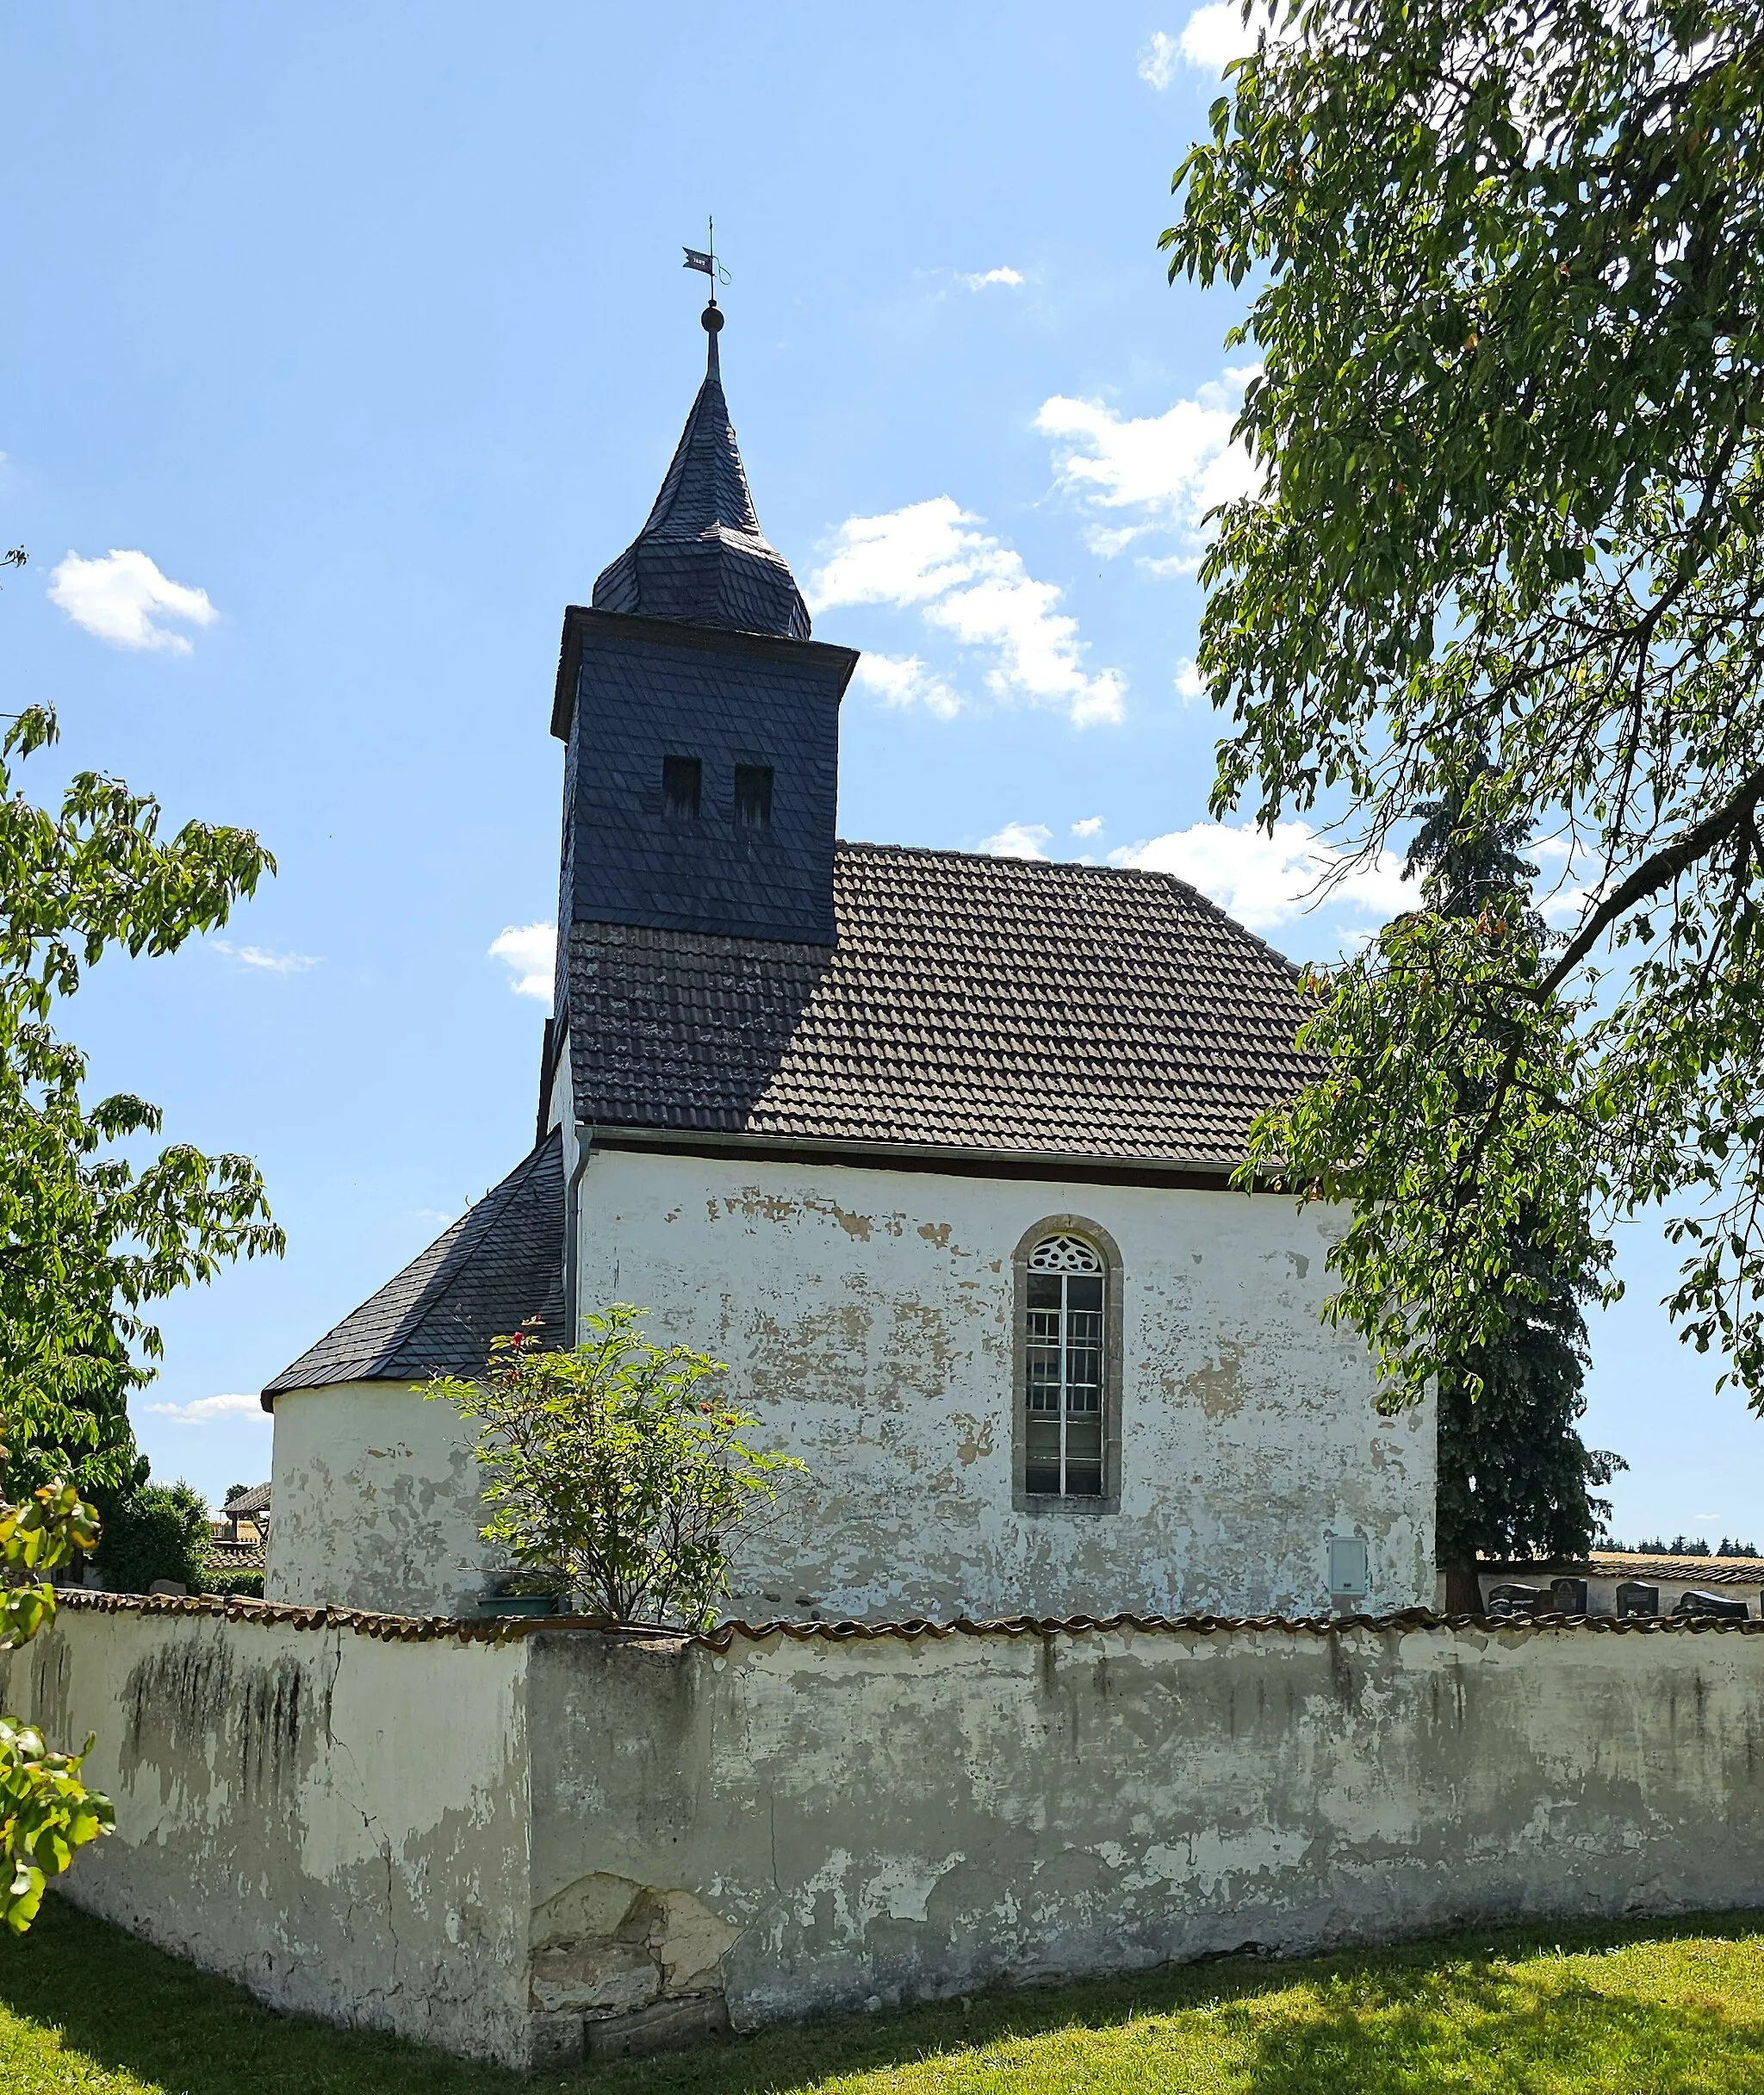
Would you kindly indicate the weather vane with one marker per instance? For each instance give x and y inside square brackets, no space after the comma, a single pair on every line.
[705,260]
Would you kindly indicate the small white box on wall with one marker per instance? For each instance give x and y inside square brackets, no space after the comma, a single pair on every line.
[1347,1568]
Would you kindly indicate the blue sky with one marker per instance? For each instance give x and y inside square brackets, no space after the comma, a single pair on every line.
[366,331]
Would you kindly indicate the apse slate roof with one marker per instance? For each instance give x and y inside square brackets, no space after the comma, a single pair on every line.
[702,556]
[500,1263]
[985,1004]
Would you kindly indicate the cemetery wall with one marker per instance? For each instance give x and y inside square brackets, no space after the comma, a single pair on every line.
[337,1821]
[529,1841]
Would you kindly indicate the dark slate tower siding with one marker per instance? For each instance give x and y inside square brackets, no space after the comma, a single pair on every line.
[696,648]
[642,690]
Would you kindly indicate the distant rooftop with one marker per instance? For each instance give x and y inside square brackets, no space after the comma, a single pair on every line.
[1634,1563]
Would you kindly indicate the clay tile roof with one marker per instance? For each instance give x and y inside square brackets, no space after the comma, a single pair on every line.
[984,1004]
[499,1264]
[1632,1564]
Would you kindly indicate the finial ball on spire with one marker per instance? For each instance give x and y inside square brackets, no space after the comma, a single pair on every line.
[711,318]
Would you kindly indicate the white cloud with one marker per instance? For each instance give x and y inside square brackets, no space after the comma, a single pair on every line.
[1264,880]
[1216,34]
[1092,825]
[966,583]
[1018,840]
[1170,467]
[530,951]
[1158,61]
[1563,907]
[1187,679]
[260,956]
[903,679]
[207,1410]
[980,281]
[118,598]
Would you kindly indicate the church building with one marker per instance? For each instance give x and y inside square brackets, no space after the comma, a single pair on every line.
[932,1148]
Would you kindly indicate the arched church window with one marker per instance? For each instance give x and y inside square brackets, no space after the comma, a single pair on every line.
[1065,1393]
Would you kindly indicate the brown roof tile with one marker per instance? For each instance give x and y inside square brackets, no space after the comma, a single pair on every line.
[984,1004]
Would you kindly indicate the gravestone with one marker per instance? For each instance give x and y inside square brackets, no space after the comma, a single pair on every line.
[1634,1597]
[1516,1599]
[1711,1604]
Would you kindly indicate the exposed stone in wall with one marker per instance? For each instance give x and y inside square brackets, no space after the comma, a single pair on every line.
[607,1950]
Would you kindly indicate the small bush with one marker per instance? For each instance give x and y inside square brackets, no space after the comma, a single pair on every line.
[158,1531]
[611,1473]
[245,1581]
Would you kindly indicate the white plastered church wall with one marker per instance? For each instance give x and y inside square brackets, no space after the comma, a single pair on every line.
[868,1317]
[376,1499]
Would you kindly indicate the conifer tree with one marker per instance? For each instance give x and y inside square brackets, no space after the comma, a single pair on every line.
[1515,1479]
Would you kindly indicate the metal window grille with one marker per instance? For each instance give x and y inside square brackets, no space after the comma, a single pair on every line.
[1063,1357]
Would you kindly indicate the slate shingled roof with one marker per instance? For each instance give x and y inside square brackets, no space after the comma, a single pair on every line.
[500,1263]
[989,1003]
[702,555]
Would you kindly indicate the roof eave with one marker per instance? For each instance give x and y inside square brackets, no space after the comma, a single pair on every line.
[581,619]
[1197,1173]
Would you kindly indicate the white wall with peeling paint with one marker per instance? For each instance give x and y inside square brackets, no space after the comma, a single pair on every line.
[868,1317]
[336,1822]
[377,1503]
[529,1846]
[914,1817]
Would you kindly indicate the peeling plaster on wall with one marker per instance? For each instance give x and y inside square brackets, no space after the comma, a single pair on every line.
[378,1503]
[568,1843]
[922,1819]
[868,1317]
[339,1824]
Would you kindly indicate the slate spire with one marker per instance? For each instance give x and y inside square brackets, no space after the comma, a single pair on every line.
[702,556]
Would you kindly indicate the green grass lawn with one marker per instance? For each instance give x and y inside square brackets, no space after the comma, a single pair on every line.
[1656,2009]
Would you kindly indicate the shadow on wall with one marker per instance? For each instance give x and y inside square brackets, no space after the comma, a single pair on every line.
[1569,2007]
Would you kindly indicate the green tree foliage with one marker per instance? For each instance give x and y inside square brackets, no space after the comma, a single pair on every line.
[47,1813]
[615,1471]
[152,1531]
[89,1239]
[1504,270]
[1515,1479]
[90,1235]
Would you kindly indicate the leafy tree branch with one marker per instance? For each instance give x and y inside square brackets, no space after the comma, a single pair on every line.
[1502,262]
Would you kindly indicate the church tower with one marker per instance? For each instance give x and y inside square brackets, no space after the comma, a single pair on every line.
[702,722]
